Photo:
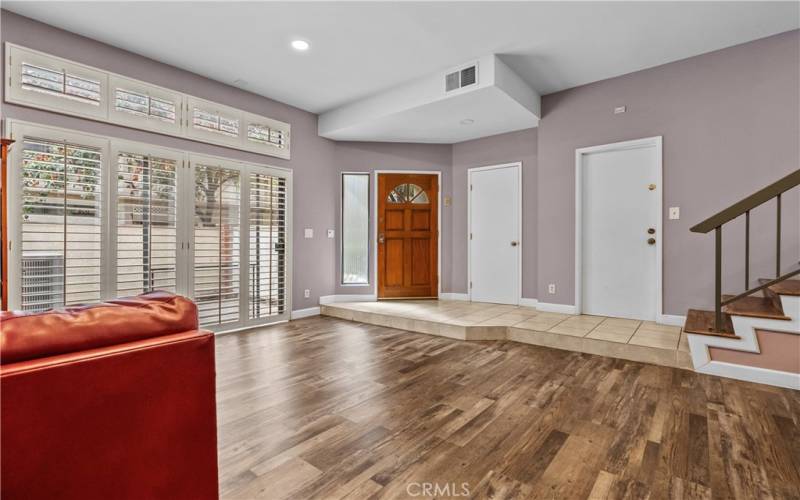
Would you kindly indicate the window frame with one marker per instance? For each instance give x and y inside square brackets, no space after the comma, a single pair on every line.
[106,110]
[139,121]
[270,149]
[209,136]
[110,147]
[341,231]
[20,130]
[121,146]
[16,55]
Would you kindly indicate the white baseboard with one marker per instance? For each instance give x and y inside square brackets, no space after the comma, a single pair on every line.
[556,308]
[305,313]
[454,296]
[671,319]
[528,302]
[752,374]
[332,299]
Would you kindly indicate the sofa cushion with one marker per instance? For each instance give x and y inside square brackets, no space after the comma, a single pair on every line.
[25,336]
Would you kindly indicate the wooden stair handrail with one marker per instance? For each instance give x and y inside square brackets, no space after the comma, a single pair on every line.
[767,284]
[759,197]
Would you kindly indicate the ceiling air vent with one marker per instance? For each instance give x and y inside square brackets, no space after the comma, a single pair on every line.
[460,79]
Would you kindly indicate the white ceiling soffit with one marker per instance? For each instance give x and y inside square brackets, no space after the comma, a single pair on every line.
[425,111]
[361,48]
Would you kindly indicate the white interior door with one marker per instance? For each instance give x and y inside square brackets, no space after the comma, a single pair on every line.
[495,244]
[620,220]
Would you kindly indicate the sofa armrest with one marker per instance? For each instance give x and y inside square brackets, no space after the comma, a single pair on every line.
[135,420]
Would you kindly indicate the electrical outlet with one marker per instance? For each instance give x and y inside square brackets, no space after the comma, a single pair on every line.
[551,288]
[306,293]
[674,213]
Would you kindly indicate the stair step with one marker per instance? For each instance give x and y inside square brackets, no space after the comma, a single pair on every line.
[755,307]
[785,287]
[702,322]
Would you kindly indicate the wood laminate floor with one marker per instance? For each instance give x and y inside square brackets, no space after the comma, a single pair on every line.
[327,408]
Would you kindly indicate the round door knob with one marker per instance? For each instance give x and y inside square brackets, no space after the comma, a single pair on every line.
[651,241]
[514,243]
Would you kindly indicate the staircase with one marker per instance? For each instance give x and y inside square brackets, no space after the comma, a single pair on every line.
[753,335]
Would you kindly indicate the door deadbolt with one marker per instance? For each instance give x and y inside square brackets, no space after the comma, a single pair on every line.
[514,243]
[651,241]
[651,230]
[381,238]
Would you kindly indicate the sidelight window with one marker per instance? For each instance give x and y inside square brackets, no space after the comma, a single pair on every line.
[355,229]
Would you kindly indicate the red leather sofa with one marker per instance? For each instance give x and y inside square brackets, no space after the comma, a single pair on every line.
[114,400]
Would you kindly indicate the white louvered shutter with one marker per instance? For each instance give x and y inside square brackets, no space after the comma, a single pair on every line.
[146,224]
[61,224]
[267,281]
[216,244]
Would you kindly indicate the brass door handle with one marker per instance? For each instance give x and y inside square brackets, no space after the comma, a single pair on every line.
[514,243]
[651,241]
[381,238]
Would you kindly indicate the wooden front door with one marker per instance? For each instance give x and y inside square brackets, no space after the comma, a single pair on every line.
[408,236]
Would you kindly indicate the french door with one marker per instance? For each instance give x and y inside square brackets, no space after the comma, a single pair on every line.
[239,268]
[93,218]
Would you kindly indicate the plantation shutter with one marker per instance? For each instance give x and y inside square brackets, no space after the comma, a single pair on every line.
[146,224]
[216,244]
[267,281]
[140,104]
[61,224]
[60,82]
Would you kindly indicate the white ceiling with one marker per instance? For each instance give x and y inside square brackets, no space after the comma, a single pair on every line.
[358,48]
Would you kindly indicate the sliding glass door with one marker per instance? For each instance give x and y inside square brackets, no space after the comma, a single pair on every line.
[94,218]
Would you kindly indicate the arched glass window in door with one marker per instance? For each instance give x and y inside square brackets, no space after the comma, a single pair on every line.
[408,193]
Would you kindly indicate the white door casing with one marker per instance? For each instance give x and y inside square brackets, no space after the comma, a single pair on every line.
[618,193]
[495,234]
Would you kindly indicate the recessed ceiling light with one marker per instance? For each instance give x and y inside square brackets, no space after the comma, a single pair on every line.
[300,45]
[467,121]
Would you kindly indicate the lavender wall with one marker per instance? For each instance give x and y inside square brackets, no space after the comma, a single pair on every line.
[313,171]
[371,156]
[730,120]
[504,148]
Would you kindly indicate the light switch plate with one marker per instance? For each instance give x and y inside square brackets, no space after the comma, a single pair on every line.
[308,233]
[331,233]
[674,213]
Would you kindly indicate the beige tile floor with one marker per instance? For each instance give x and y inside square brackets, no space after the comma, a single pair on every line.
[616,337]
